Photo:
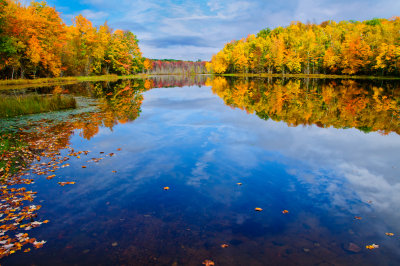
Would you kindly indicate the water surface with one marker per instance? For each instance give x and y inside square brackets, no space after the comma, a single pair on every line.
[325,151]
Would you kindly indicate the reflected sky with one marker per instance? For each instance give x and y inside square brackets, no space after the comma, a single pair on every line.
[187,138]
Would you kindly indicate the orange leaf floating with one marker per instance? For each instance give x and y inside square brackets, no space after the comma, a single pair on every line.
[357,217]
[239,184]
[373,246]
[119,149]
[285,211]
[65,183]
[166,188]
[114,172]
[83,166]
[37,244]
[50,177]
[27,250]
[224,245]
[208,262]
[258,209]
[389,234]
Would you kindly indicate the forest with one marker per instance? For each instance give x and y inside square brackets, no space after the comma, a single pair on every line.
[170,66]
[35,42]
[370,47]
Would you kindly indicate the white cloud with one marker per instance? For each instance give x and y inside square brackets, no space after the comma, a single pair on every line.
[93,15]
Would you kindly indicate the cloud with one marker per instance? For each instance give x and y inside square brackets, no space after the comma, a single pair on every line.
[93,15]
[172,41]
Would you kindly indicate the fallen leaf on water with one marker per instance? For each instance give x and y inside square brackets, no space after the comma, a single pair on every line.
[111,154]
[166,188]
[208,262]
[50,177]
[389,234]
[65,183]
[37,244]
[83,166]
[285,211]
[357,217]
[114,244]
[114,171]
[258,209]
[119,149]
[239,184]
[224,245]
[27,250]
[373,246]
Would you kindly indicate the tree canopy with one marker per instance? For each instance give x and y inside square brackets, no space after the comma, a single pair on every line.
[371,47]
[34,41]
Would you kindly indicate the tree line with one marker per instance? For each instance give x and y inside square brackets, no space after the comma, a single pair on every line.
[170,66]
[35,42]
[370,47]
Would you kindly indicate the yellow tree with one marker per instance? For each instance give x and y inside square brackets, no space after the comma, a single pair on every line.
[147,64]
[219,62]
[356,54]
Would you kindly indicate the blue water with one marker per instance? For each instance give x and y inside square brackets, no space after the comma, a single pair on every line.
[186,138]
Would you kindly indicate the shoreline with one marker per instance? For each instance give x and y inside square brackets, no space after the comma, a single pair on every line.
[313,76]
[28,83]
[40,82]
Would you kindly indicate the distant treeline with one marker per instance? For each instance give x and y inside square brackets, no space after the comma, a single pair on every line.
[370,47]
[35,42]
[170,66]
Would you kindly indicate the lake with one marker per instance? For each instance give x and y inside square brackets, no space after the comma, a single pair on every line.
[170,171]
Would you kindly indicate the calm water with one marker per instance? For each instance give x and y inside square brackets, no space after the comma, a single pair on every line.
[325,151]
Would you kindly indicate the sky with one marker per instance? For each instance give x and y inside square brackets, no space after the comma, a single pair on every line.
[197,29]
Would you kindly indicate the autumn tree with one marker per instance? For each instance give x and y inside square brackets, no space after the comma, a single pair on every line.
[147,64]
[34,41]
[123,54]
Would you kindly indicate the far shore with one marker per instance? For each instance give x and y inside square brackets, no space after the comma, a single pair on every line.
[313,76]
[27,83]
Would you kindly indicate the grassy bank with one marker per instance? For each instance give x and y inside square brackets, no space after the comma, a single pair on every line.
[31,104]
[64,80]
[316,76]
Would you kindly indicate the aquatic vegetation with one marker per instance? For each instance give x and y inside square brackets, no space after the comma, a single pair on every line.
[13,154]
[33,103]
